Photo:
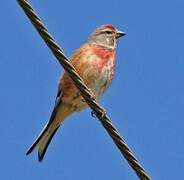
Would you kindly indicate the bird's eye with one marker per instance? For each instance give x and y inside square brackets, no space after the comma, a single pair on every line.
[108,32]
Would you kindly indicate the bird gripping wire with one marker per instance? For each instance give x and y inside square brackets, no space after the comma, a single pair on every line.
[84,90]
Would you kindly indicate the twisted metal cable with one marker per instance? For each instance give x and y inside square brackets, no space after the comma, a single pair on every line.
[84,90]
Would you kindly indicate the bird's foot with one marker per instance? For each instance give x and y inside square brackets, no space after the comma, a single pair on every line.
[104,112]
[93,114]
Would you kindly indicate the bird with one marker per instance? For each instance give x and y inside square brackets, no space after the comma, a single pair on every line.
[94,61]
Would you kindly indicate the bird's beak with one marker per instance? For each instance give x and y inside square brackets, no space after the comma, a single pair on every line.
[120,34]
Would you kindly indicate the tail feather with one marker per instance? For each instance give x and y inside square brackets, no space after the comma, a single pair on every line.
[45,137]
[43,147]
[43,141]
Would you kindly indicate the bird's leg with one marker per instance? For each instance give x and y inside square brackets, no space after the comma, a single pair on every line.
[104,112]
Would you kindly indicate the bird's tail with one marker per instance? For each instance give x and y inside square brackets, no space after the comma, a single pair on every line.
[46,135]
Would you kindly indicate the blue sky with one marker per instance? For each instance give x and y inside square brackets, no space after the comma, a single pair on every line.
[145,101]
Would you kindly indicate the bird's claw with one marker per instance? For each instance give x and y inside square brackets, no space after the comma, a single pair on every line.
[93,114]
[104,112]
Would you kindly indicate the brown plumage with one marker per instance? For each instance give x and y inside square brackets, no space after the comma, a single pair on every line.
[94,62]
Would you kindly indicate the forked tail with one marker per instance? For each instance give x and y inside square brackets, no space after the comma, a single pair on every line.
[46,135]
[43,141]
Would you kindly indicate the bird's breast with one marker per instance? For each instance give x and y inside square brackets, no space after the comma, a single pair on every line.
[104,63]
[103,58]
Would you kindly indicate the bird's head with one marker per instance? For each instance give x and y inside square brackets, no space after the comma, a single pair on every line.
[105,36]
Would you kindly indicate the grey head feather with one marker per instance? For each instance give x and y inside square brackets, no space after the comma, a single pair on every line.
[105,36]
